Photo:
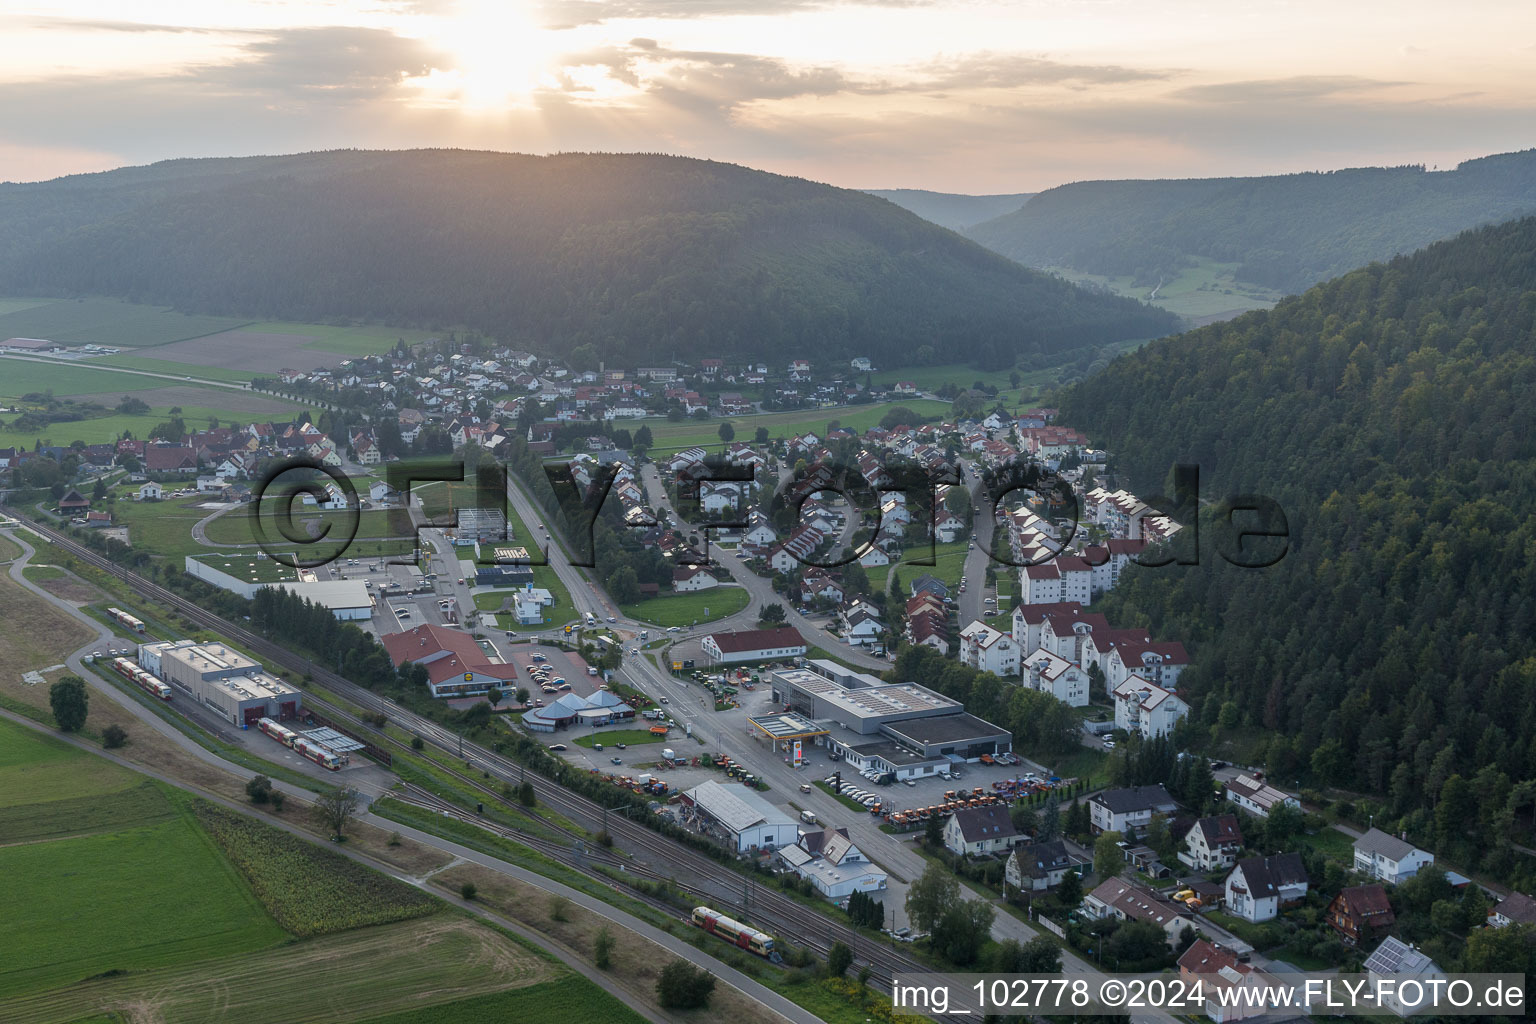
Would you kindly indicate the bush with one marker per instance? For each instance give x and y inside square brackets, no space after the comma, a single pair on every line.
[602,948]
[683,986]
[259,789]
[839,959]
[468,890]
[559,908]
[114,736]
[417,743]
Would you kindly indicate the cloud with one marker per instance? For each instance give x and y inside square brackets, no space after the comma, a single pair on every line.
[341,62]
[1300,88]
[573,13]
[1012,70]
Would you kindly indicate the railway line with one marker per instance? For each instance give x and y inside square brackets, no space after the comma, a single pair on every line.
[651,855]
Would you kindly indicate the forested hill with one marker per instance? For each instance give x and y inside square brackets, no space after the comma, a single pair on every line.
[645,257]
[952,210]
[1392,412]
[1286,232]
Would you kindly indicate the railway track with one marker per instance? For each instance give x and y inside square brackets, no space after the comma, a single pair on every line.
[651,855]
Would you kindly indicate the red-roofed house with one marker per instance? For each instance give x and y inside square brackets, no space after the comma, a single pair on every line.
[1205,968]
[691,578]
[456,665]
[735,646]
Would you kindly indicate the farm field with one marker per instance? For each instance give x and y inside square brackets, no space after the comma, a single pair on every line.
[85,382]
[686,609]
[170,917]
[430,966]
[673,436]
[1199,292]
[308,889]
[36,769]
[143,804]
[554,1002]
[174,369]
[132,900]
[109,322]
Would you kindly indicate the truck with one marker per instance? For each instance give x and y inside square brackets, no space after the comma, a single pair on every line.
[591,620]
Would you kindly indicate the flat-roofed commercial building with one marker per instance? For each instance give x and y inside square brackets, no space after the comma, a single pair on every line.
[902,728]
[222,679]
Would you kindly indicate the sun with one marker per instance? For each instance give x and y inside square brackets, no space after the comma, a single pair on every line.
[498,54]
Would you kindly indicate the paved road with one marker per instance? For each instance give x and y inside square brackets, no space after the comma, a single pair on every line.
[970,604]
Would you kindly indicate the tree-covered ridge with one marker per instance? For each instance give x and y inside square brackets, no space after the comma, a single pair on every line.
[1393,650]
[1286,231]
[645,257]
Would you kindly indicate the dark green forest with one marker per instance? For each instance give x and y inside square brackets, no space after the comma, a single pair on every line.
[644,257]
[1286,232]
[1392,651]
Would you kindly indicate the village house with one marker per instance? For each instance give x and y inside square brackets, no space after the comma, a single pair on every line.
[976,830]
[1212,843]
[1258,887]
[1387,858]
[1211,967]
[1128,901]
[1256,796]
[1359,912]
[1116,810]
[1038,866]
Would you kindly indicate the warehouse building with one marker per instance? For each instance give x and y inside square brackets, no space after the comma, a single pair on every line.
[748,821]
[224,680]
[348,600]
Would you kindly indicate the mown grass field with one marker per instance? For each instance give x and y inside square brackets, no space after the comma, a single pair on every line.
[554,1002]
[428,966]
[686,609]
[19,377]
[1206,288]
[612,736]
[109,322]
[948,564]
[142,804]
[170,366]
[141,898]
[147,917]
[24,376]
[36,769]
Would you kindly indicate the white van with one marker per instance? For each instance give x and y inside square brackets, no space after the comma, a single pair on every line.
[808,817]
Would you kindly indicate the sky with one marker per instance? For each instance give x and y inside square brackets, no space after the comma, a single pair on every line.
[952,95]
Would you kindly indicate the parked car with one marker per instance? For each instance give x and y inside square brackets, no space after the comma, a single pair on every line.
[557,746]
[615,760]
